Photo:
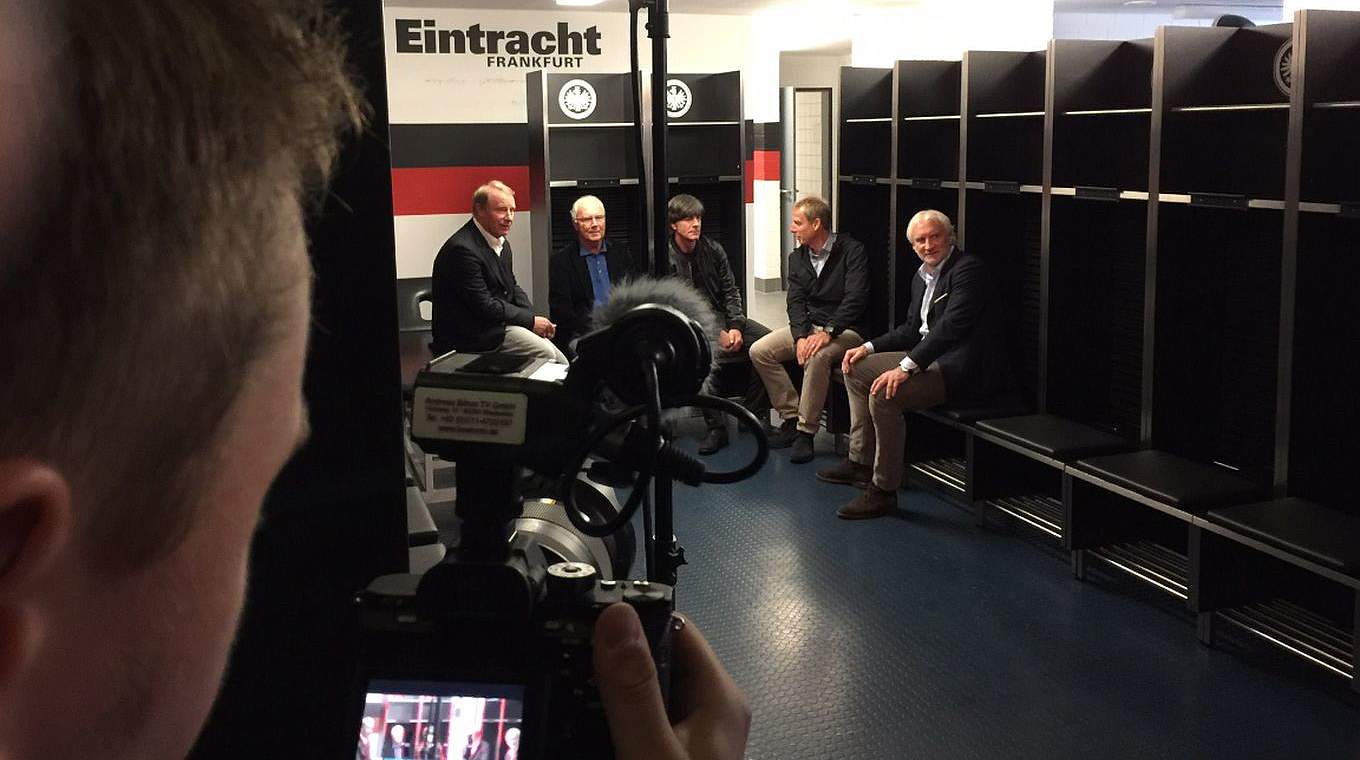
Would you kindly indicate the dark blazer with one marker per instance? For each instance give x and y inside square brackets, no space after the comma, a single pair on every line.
[475,294]
[837,297]
[967,330]
[570,294]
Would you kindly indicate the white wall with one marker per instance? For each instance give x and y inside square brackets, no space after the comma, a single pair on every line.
[944,30]
[453,89]
[1098,25]
[1326,5]
[802,70]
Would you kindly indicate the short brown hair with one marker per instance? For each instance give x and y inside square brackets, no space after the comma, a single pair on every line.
[144,283]
[814,207]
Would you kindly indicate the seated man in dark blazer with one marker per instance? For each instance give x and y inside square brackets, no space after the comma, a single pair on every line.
[583,272]
[828,279]
[477,304]
[951,348]
[699,259]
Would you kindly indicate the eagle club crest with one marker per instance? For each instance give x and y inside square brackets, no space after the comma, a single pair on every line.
[576,99]
[1284,66]
[678,98]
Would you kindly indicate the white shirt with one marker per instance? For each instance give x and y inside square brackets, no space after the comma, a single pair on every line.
[818,258]
[930,278]
[496,243]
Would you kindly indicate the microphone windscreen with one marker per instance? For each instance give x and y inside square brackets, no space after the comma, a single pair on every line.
[665,291]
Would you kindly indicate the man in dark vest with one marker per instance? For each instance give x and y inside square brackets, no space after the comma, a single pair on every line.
[478,306]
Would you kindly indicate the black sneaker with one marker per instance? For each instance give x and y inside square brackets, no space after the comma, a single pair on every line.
[785,435]
[802,449]
[715,441]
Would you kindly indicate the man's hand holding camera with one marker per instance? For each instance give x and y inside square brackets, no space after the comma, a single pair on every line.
[712,715]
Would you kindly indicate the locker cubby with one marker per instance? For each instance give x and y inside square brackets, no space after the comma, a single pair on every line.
[1003,108]
[1094,352]
[1101,113]
[928,120]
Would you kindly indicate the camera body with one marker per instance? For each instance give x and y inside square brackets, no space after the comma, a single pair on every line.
[536,675]
[489,654]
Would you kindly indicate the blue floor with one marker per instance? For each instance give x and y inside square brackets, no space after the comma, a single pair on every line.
[925,636]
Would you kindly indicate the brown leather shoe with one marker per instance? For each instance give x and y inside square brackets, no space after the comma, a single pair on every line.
[874,502]
[847,473]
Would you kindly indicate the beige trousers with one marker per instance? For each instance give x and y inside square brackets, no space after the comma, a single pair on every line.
[524,342]
[877,430]
[768,356]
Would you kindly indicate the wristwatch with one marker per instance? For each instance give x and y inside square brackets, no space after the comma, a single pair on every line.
[830,330]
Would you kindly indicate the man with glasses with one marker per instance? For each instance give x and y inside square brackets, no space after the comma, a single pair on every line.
[582,272]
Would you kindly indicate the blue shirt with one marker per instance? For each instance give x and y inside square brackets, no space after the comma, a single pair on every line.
[599,272]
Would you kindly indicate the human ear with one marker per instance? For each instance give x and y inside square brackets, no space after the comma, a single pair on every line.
[35,525]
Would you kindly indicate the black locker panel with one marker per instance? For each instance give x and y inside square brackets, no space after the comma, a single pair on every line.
[713,97]
[1331,155]
[1234,152]
[928,150]
[928,119]
[866,93]
[1095,334]
[1108,150]
[1324,441]
[1005,230]
[866,149]
[1217,307]
[864,216]
[866,122]
[704,151]
[587,153]
[1008,148]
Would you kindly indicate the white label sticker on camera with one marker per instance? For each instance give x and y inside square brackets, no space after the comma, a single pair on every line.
[466,415]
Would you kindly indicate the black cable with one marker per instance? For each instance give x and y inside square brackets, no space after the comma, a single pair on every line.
[744,418]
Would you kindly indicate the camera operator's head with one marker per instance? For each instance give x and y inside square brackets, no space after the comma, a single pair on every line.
[154,293]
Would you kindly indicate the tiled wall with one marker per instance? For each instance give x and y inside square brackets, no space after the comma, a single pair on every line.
[809,125]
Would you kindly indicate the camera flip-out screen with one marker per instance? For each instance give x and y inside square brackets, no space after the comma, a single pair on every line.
[440,719]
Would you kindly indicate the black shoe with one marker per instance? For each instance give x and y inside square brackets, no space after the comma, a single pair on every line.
[715,441]
[785,435]
[847,473]
[802,449]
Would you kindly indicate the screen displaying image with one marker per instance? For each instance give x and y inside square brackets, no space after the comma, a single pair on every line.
[440,720]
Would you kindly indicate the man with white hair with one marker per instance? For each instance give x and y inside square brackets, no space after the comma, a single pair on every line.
[951,348]
[584,271]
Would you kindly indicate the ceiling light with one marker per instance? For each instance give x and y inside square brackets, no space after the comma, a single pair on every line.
[579,3]
[1126,2]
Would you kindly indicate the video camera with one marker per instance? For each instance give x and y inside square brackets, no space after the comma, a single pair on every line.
[497,637]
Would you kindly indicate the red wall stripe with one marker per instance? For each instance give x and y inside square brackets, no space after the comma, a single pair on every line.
[766,165]
[449,189]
